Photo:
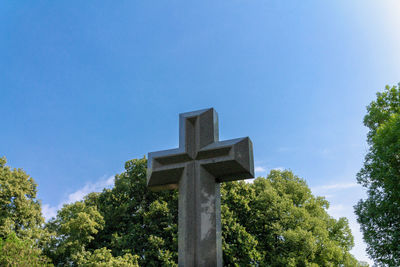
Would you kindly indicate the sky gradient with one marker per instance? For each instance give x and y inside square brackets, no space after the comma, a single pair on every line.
[88,85]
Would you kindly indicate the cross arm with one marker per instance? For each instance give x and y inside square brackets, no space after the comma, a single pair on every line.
[164,168]
[228,160]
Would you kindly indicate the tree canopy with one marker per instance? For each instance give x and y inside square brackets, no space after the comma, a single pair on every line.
[274,221]
[19,209]
[379,213]
[21,231]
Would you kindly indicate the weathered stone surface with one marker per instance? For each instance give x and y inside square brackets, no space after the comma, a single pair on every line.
[196,168]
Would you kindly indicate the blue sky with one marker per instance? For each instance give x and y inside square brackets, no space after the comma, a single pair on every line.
[88,85]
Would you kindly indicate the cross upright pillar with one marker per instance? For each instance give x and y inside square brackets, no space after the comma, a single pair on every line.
[197,168]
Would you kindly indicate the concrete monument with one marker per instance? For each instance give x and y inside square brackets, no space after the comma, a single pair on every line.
[196,169]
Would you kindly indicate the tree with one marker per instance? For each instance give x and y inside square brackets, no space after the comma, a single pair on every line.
[73,228]
[21,231]
[275,221]
[103,258]
[289,225]
[20,211]
[379,213]
[21,252]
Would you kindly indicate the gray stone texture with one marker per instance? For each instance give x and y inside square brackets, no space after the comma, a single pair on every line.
[196,169]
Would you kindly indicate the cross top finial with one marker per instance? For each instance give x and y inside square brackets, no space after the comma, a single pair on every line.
[197,129]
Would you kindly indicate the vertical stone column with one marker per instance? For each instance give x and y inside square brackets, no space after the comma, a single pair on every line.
[199,219]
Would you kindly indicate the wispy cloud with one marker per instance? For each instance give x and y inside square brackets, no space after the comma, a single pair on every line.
[336,210]
[335,186]
[259,169]
[51,211]
[88,188]
[262,169]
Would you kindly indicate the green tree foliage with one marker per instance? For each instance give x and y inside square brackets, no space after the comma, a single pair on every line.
[283,224]
[21,232]
[379,213]
[20,211]
[275,221]
[74,228]
[21,252]
[103,258]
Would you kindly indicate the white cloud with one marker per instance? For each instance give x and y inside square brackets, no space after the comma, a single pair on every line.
[88,188]
[51,211]
[336,210]
[260,169]
[331,187]
[48,211]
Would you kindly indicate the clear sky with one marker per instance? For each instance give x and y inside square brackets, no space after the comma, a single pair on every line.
[88,85]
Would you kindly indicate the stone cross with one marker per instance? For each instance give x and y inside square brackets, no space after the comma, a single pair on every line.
[196,169]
